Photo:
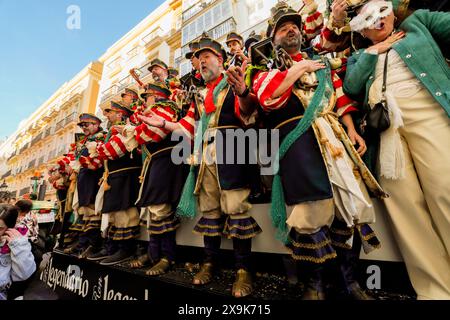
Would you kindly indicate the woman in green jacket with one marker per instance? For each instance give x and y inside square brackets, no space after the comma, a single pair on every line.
[413,154]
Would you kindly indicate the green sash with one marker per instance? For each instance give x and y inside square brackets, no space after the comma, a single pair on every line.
[320,99]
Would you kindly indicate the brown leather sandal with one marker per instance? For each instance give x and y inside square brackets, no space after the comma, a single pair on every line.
[160,268]
[243,286]
[139,262]
[205,275]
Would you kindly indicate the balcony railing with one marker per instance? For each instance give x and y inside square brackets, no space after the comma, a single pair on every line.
[114,64]
[40,161]
[60,124]
[31,164]
[222,29]
[6,175]
[148,39]
[37,139]
[196,8]
[108,93]
[48,131]
[51,155]
[133,53]
[177,62]
[25,147]
[72,117]
[15,153]
[215,33]
[125,82]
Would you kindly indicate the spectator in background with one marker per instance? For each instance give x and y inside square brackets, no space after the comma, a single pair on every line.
[27,219]
[16,260]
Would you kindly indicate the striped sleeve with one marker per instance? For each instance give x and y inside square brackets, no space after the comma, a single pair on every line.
[145,133]
[264,86]
[188,122]
[344,104]
[64,163]
[314,21]
[113,149]
[90,163]
[134,119]
[333,38]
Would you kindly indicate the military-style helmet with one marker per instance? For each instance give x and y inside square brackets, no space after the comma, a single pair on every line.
[252,38]
[159,63]
[193,46]
[281,13]
[117,106]
[206,43]
[234,36]
[156,88]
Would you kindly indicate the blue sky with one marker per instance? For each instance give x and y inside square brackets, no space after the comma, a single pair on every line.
[38,53]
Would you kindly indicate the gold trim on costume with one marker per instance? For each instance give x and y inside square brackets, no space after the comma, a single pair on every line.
[341,245]
[162,223]
[223,127]
[288,121]
[208,227]
[342,232]
[124,169]
[201,171]
[252,226]
[323,259]
[216,234]
[238,236]
[369,236]
[163,231]
[311,246]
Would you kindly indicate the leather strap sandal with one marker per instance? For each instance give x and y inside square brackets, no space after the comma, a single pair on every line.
[243,286]
[205,275]
[139,262]
[160,268]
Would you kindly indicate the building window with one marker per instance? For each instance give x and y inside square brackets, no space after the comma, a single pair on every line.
[217,13]
[200,26]
[132,53]
[114,64]
[208,20]
[185,67]
[214,16]
[178,23]
[177,53]
[188,3]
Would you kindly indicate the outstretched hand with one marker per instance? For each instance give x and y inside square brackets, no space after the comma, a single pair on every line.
[151,119]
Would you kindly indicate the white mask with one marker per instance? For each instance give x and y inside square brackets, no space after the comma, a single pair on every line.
[371,15]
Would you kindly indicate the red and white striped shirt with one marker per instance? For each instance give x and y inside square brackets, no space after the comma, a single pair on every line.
[145,133]
[313,23]
[265,84]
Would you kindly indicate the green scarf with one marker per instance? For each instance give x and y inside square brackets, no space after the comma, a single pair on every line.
[317,104]
[187,207]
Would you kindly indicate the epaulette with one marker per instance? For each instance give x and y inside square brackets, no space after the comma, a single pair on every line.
[167,103]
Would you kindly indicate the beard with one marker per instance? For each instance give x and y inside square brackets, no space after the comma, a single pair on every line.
[211,73]
[291,42]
